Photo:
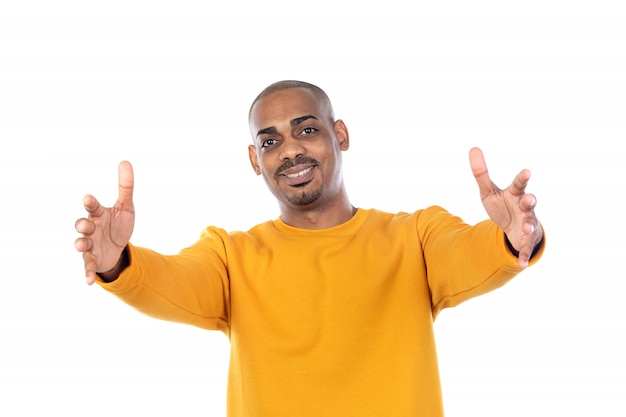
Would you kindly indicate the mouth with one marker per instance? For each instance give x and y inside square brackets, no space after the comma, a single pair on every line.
[299,175]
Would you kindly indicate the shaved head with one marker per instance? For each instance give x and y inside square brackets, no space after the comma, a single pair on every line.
[283,85]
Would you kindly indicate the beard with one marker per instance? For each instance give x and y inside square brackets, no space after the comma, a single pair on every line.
[304,198]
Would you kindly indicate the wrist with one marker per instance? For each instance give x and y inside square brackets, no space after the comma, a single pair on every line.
[510,247]
[515,252]
[113,273]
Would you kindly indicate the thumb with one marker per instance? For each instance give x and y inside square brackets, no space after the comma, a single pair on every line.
[477,162]
[126,181]
[480,171]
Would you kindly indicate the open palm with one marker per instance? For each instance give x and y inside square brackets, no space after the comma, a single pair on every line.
[512,209]
[107,230]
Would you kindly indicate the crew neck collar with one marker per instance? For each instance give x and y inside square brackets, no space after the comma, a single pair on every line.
[346,228]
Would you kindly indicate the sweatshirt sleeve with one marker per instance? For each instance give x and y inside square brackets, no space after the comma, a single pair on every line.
[191,287]
[464,261]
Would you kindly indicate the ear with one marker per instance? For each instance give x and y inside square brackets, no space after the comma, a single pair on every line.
[254,160]
[341,132]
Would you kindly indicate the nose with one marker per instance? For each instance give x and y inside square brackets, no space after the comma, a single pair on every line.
[291,148]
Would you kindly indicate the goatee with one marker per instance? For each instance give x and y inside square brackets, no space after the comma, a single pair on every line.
[304,198]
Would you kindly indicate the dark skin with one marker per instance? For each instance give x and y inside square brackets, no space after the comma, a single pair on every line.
[297,148]
[294,125]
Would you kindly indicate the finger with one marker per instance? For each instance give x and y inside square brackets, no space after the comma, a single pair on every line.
[93,207]
[126,183]
[90,263]
[84,226]
[523,259]
[518,186]
[532,236]
[526,250]
[481,174]
[83,244]
[477,162]
[529,228]
[528,202]
[90,272]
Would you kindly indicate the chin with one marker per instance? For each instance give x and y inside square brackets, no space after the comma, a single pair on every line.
[304,198]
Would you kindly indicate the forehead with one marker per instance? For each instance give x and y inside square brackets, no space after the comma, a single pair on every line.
[282,106]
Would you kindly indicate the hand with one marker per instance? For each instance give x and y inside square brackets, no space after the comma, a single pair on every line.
[106,231]
[512,208]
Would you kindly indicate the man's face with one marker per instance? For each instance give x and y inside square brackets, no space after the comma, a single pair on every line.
[297,148]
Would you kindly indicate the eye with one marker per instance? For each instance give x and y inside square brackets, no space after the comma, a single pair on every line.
[268,142]
[308,130]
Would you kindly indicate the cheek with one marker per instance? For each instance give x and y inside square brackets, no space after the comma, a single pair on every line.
[266,170]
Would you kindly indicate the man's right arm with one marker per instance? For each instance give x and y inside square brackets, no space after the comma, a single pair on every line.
[191,287]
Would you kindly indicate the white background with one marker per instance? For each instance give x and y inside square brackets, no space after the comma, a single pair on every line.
[167,85]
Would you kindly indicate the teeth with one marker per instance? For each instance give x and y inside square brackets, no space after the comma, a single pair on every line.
[299,174]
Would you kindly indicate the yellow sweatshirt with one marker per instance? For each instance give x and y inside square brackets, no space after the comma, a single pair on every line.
[326,323]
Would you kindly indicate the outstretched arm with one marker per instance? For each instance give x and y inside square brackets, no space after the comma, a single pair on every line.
[106,231]
[512,209]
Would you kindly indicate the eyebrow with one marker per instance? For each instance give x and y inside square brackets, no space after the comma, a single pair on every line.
[294,122]
[298,120]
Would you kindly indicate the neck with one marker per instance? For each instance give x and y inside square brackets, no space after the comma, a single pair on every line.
[322,216]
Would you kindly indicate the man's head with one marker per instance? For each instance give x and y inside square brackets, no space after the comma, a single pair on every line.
[297,146]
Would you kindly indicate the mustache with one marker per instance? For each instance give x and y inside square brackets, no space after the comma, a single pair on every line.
[298,160]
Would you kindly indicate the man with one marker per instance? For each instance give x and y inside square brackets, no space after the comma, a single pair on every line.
[329,308]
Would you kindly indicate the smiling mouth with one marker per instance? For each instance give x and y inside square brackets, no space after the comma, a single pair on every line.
[298,177]
[299,174]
